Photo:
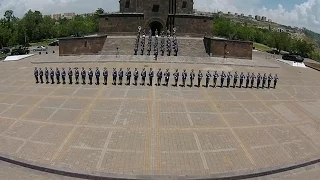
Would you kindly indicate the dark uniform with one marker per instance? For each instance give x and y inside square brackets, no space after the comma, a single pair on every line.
[269,80]
[258,80]
[223,76]
[264,80]
[58,75]
[215,78]
[229,76]
[252,77]
[208,76]
[192,75]
[248,80]
[128,75]
[83,75]
[46,74]
[120,76]
[242,77]
[176,77]
[70,74]
[199,78]
[90,74]
[52,75]
[77,75]
[136,76]
[143,76]
[97,73]
[63,75]
[275,80]
[41,75]
[167,77]
[184,77]
[159,77]
[151,74]
[114,76]
[36,74]
[105,76]
[235,79]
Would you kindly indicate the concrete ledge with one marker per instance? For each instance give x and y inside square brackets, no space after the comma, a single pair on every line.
[245,174]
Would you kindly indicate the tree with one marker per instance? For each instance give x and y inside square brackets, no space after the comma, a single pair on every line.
[99,11]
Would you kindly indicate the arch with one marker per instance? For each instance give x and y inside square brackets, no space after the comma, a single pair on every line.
[155,24]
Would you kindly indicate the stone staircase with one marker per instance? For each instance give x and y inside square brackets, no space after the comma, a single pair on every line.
[192,47]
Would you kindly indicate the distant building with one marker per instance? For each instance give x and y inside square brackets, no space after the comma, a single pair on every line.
[269,20]
[281,30]
[69,15]
[242,15]
[235,14]
[257,17]
[56,16]
[263,18]
[229,13]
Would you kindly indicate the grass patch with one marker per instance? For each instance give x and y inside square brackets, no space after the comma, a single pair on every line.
[42,43]
[261,47]
[3,56]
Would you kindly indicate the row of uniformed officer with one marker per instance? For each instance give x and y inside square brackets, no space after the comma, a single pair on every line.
[248,78]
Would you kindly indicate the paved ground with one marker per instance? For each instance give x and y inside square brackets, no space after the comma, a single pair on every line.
[159,130]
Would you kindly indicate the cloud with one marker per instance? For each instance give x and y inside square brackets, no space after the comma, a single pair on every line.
[306,14]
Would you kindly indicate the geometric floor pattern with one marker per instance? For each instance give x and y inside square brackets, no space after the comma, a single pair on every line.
[140,130]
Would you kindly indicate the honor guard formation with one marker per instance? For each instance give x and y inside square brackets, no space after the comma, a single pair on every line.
[262,81]
[170,40]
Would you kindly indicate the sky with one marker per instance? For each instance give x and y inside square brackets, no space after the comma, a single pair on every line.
[299,13]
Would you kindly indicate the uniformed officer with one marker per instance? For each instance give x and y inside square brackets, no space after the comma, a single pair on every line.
[70,74]
[229,76]
[120,73]
[176,77]
[36,74]
[242,77]
[258,80]
[223,76]
[167,77]
[136,76]
[248,80]
[269,80]
[275,80]
[192,75]
[114,76]
[97,73]
[264,80]
[58,75]
[184,77]
[128,75]
[235,79]
[63,75]
[159,77]
[143,76]
[151,74]
[77,75]
[83,75]
[199,78]
[208,76]
[215,78]
[105,76]
[46,74]
[52,75]
[41,75]
[252,77]
[90,74]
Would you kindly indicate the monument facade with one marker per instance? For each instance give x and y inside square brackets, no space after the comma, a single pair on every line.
[155,14]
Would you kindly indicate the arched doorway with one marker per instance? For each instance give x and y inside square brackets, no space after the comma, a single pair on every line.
[155,25]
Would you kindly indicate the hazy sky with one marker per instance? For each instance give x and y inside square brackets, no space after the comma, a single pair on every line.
[301,13]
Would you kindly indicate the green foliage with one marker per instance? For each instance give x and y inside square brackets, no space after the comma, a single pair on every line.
[279,40]
[34,27]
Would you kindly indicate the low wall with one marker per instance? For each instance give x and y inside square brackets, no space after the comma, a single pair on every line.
[81,45]
[228,48]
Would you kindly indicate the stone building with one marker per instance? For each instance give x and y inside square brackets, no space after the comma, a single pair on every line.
[155,14]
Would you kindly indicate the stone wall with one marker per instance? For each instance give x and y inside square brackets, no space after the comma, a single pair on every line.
[125,24]
[81,45]
[193,25]
[228,48]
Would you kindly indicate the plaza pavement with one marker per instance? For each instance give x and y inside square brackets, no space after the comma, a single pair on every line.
[134,130]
